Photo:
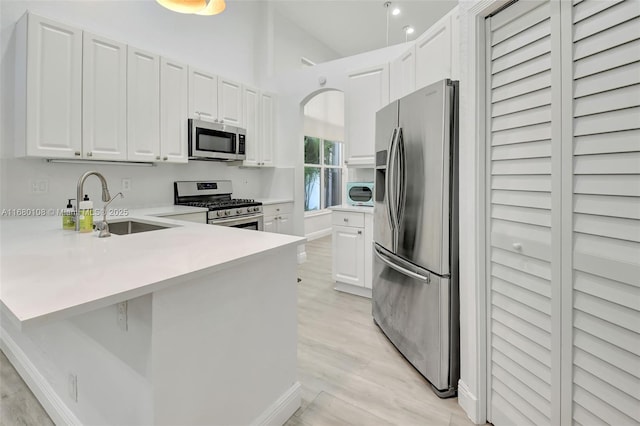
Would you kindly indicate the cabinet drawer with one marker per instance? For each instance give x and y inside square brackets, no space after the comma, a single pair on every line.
[276,209]
[347,219]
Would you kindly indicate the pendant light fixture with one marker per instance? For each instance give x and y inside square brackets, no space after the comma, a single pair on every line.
[199,7]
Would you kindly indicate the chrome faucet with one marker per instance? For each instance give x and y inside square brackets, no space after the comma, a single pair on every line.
[80,190]
[104,226]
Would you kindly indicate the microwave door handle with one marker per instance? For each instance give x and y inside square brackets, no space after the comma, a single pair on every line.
[389,184]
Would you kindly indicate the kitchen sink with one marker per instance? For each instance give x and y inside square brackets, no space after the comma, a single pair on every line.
[134,227]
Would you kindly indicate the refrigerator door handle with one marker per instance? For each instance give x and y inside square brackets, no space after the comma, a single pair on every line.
[399,268]
[390,188]
[401,177]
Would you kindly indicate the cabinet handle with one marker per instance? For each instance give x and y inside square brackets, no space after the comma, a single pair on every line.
[77,153]
[89,154]
[345,219]
[221,120]
[359,232]
[517,246]
[157,157]
[165,158]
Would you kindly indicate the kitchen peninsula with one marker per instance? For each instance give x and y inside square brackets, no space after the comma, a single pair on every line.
[192,324]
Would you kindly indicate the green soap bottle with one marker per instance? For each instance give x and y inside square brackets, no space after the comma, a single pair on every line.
[69,217]
[85,214]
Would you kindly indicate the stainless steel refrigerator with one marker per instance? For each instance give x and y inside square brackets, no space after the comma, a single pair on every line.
[415,272]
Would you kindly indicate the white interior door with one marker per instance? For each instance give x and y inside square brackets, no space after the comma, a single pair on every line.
[523,273]
[602,298]
[563,129]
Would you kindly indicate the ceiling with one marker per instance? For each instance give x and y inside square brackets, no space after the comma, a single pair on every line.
[350,27]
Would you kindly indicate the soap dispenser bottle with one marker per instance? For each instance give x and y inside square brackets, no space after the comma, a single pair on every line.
[69,217]
[85,214]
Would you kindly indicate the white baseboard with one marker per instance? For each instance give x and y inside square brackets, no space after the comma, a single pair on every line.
[352,289]
[282,409]
[42,390]
[318,234]
[469,403]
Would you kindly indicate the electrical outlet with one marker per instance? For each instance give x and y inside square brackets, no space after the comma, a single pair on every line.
[39,186]
[123,322]
[126,184]
[72,386]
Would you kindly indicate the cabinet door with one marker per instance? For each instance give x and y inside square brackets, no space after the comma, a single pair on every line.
[143,105]
[433,54]
[230,102]
[269,224]
[174,107]
[268,129]
[104,98]
[367,91]
[455,44]
[285,226]
[403,75]
[251,103]
[53,89]
[203,95]
[348,255]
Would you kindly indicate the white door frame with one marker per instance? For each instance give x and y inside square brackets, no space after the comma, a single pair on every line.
[472,387]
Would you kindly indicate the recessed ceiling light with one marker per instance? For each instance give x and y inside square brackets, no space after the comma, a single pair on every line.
[409,30]
[396,11]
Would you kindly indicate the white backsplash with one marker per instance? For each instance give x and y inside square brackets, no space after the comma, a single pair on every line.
[150,186]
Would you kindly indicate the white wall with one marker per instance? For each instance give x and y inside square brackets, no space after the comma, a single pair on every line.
[291,43]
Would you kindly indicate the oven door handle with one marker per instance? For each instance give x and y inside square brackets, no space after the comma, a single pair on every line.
[234,219]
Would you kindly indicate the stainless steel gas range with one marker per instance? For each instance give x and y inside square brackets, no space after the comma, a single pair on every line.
[216,196]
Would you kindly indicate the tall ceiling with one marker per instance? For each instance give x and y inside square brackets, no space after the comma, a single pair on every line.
[350,27]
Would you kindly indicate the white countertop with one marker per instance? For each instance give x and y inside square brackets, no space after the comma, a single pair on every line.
[268,201]
[48,273]
[349,208]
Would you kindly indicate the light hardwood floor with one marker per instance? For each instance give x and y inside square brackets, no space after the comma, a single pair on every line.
[350,373]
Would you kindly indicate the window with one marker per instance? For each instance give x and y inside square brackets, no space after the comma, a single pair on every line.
[322,173]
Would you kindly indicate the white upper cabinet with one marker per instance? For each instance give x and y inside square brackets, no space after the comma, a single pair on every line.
[229,102]
[251,102]
[48,88]
[403,75]
[203,95]
[455,44]
[366,92]
[104,99]
[143,105]
[259,117]
[174,109]
[433,53]
[268,129]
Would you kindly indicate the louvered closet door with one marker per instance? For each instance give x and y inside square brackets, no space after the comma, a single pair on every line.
[605,286]
[523,271]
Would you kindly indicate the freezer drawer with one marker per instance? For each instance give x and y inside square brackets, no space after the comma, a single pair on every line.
[415,316]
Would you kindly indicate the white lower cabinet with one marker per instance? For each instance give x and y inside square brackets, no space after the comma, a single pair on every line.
[277,218]
[351,244]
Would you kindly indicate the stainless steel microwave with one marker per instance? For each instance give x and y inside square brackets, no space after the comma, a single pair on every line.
[216,141]
[360,193]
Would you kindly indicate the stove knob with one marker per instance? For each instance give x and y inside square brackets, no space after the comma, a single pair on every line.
[249,209]
[219,214]
[239,211]
[227,212]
